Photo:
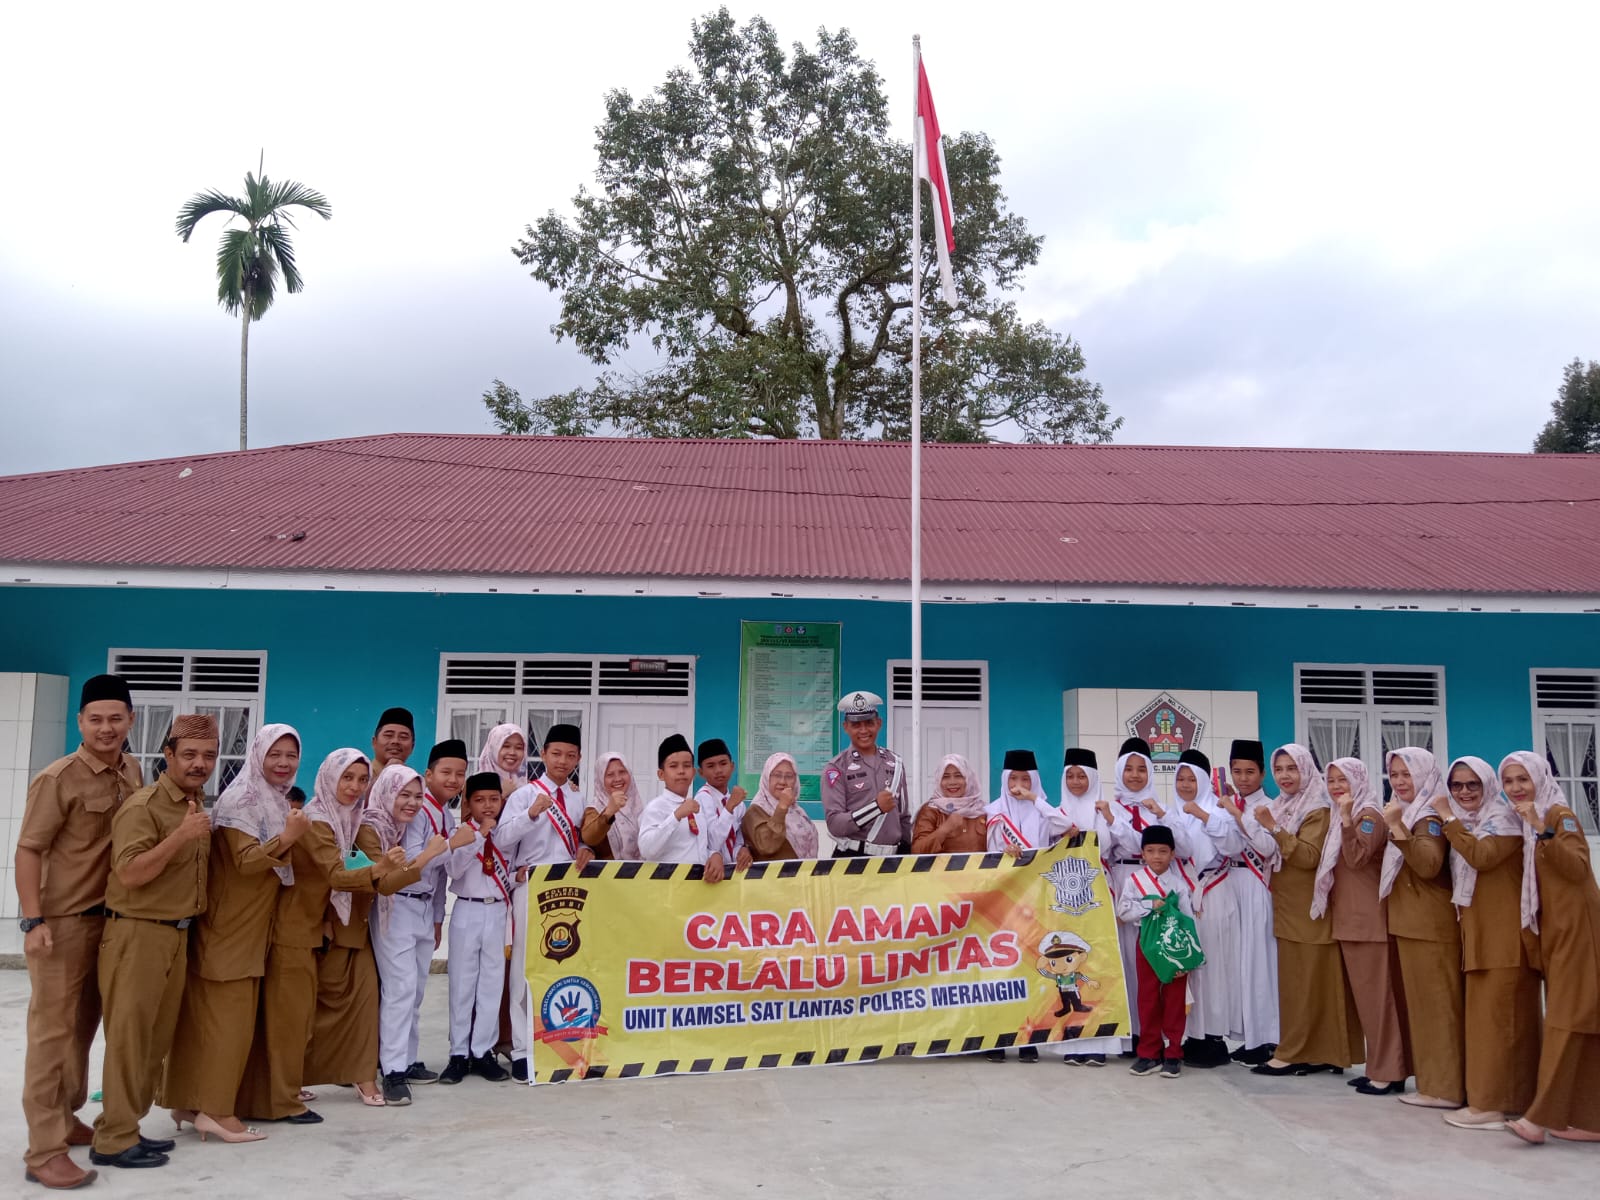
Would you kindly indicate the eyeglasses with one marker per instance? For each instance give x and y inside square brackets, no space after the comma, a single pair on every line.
[1468,786]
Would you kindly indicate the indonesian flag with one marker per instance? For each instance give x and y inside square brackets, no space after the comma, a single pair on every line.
[929,153]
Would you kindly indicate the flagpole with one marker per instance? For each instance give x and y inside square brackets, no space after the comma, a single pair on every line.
[914,777]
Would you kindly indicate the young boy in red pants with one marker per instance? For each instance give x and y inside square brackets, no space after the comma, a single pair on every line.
[1155,885]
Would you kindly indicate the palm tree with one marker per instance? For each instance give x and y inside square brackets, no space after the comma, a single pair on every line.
[250,260]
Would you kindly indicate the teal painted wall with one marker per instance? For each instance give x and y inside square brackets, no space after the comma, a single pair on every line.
[337,659]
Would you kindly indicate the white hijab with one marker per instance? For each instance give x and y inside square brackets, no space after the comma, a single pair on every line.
[344,820]
[1362,797]
[1133,802]
[1429,783]
[1081,810]
[252,805]
[1206,797]
[1547,794]
[1495,818]
[1037,822]
[623,836]
[489,757]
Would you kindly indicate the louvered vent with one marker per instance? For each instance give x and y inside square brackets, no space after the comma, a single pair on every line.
[215,674]
[480,677]
[1566,691]
[150,672]
[952,684]
[1405,689]
[1332,685]
[555,677]
[645,677]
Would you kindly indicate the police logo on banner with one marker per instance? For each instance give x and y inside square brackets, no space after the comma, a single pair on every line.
[570,1011]
[558,913]
[1073,880]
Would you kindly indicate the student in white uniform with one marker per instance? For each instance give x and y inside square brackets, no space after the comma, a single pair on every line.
[1159,881]
[675,826]
[402,923]
[481,933]
[1086,810]
[1216,1013]
[1250,879]
[543,823]
[1134,795]
[717,772]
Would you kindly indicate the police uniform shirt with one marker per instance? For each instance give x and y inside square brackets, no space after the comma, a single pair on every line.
[851,782]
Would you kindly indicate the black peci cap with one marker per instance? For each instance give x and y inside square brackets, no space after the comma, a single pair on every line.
[104,687]
[1250,751]
[396,716]
[483,781]
[1135,745]
[711,748]
[449,748]
[1195,759]
[1077,756]
[1157,835]
[1019,760]
[567,735]
[674,744]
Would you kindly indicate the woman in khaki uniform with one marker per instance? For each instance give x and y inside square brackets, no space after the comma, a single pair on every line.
[953,821]
[271,1089]
[611,815]
[1416,882]
[775,826]
[1318,1028]
[1501,959]
[1361,925]
[253,829]
[1561,903]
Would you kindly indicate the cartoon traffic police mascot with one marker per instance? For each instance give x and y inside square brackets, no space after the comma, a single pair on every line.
[1060,954]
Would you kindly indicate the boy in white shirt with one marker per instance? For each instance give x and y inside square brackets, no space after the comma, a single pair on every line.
[480,936]
[1153,886]
[676,827]
[716,768]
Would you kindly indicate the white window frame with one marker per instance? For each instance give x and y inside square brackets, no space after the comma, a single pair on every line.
[517,704]
[1541,715]
[889,732]
[1372,715]
[187,699]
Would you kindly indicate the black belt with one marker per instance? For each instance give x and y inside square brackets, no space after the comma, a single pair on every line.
[1127,862]
[481,899]
[416,895]
[181,923]
[98,910]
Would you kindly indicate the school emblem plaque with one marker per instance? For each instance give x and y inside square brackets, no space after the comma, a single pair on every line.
[558,913]
[1169,727]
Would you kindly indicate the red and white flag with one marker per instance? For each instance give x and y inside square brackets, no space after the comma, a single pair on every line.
[929,152]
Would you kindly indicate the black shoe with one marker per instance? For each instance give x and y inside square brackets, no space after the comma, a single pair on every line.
[1171,1069]
[134,1156]
[1286,1069]
[1254,1056]
[1094,1060]
[418,1073]
[995,1055]
[309,1117]
[395,1090]
[1320,1069]
[455,1070]
[1368,1088]
[1205,1053]
[1356,1082]
[519,1070]
[1028,1054]
[1144,1066]
[158,1145]
[486,1068]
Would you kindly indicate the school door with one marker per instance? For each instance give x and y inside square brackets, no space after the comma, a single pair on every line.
[634,731]
[955,718]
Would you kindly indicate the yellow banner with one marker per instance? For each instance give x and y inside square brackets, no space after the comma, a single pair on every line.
[645,969]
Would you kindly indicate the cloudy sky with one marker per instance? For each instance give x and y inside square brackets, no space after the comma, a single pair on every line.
[1297,225]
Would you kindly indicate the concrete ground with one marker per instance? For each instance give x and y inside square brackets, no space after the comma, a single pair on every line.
[955,1127]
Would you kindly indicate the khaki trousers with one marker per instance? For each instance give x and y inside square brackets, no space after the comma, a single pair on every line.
[142,969]
[63,1014]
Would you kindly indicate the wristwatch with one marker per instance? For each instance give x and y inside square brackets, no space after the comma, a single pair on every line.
[29,924]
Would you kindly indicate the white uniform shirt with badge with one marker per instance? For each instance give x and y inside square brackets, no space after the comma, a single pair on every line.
[467,876]
[1144,886]
[529,840]
[851,782]
[434,817]
[730,824]
[666,837]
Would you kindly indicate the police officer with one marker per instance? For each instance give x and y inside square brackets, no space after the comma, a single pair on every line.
[864,787]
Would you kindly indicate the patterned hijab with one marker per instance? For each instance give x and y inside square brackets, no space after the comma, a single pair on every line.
[1547,793]
[1290,812]
[1429,783]
[489,757]
[344,820]
[797,827]
[1495,818]
[624,834]
[971,802]
[380,815]
[252,805]
[1362,797]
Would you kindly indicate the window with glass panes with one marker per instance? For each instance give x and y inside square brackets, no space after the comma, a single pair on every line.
[229,685]
[1367,712]
[1566,718]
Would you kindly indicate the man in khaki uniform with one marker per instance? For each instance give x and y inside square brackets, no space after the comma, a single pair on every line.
[160,846]
[63,856]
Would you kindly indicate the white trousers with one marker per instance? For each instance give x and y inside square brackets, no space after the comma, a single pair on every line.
[1128,943]
[1258,958]
[477,970]
[521,1010]
[1218,1009]
[403,947]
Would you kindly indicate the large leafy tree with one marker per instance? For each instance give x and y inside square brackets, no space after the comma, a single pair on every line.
[750,236]
[254,256]
[1574,425]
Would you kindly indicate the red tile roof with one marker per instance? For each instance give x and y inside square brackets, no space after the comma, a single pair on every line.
[1338,520]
